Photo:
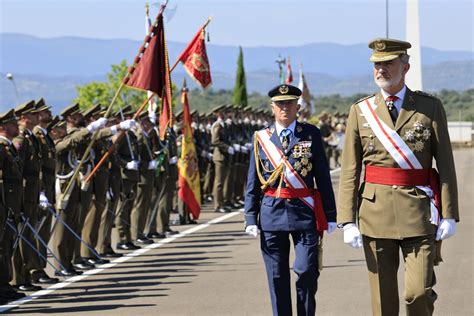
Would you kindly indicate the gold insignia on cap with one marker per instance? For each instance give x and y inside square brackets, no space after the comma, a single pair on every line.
[283,89]
[299,129]
[379,45]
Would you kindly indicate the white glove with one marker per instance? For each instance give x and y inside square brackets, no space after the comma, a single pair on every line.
[331,227]
[446,229]
[173,160]
[43,201]
[152,165]
[252,230]
[127,124]
[244,149]
[352,236]
[203,154]
[132,165]
[92,127]
[231,150]
[109,195]
[152,117]
[237,147]
[210,156]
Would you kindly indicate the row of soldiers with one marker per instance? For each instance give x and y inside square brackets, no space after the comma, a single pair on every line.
[45,209]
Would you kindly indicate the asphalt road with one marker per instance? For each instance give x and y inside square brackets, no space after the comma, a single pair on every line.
[214,269]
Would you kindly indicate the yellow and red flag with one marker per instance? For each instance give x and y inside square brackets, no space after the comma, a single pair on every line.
[195,60]
[189,186]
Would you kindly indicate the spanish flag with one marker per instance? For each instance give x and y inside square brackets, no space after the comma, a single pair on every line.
[189,188]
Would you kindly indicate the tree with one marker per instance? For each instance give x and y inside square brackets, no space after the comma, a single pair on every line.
[103,92]
[240,88]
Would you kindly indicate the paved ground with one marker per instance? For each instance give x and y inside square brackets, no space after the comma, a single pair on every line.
[214,269]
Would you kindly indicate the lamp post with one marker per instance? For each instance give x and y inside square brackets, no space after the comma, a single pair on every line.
[280,61]
[10,77]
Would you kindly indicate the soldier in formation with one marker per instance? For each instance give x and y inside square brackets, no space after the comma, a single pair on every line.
[50,216]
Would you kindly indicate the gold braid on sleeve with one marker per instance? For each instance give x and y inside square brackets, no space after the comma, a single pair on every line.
[279,172]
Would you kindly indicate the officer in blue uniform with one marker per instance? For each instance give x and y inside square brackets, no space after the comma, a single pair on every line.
[287,165]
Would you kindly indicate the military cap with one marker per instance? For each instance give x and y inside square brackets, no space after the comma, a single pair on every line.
[219,108]
[55,122]
[248,108]
[178,113]
[24,108]
[194,112]
[41,105]
[284,92]
[70,110]
[8,117]
[385,49]
[143,115]
[127,111]
[102,111]
[93,110]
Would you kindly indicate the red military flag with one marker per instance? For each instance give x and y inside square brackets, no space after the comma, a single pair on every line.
[195,60]
[150,70]
[289,74]
[189,187]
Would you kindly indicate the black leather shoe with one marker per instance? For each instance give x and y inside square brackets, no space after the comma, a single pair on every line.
[169,232]
[96,260]
[221,210]
[127,246]
[144,241]
[67,273]
[155,235]
[111,255]
[83,266]
[123,246]
[46,280]
[133,246]
[191,222]
[28,287]
[13,295]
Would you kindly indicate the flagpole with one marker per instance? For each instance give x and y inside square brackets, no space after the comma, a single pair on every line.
[202,27]
[119,137]
[94,136]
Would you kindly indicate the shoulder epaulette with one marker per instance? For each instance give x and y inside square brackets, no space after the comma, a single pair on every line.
[425,94]
[364,98]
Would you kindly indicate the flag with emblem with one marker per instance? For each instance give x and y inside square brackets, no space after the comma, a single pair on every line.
[151,72]
[289,73]
[189,186]
[305,100]
[195,60]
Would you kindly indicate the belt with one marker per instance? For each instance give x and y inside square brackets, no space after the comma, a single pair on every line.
[405,177]
[288,193]
[397,176]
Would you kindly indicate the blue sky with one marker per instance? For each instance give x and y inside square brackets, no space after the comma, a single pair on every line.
[444,24]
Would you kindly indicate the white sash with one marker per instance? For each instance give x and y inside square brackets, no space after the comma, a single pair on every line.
[397,148]
[276,157]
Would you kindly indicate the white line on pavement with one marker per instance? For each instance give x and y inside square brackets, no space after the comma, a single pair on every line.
[126,257]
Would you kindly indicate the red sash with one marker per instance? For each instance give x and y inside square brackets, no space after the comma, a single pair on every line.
[288,193]
[405,177]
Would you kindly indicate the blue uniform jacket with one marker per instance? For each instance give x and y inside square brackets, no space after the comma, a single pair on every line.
[277,214]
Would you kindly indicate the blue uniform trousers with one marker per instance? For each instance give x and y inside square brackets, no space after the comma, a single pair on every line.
[275,246]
